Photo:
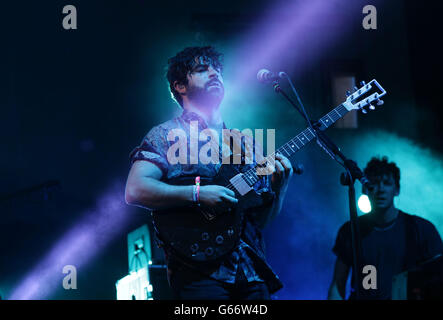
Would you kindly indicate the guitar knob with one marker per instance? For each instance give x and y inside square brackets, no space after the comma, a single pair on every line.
[219,239]
[380,102]
[230,232]
[371,107]
[364,111]
[362,83]
[348,93]
[194,248]
[205,236]
[209,251]
[355,88]
[299,169]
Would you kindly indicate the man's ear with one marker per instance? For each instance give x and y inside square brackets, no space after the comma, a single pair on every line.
[181,88]
[397,191]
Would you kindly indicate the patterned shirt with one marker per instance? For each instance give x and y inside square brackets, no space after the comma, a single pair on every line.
[249,255]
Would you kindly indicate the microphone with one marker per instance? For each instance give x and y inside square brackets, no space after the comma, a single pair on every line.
[357,173]
[266,76]
[365,182]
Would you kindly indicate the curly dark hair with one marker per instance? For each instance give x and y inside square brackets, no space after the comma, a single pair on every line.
[377,167]
[183,62]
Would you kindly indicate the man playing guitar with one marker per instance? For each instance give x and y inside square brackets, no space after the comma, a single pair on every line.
[196,83]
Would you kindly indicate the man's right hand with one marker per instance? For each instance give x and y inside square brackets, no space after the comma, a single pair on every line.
[145,189]
[216,196]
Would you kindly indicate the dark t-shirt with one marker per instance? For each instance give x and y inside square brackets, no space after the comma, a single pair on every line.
[392,248]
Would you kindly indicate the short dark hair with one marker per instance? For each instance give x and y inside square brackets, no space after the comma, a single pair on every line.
[182,63]
[377,167]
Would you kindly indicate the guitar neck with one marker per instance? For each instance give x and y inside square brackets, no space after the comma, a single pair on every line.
[306,136]
[298,142]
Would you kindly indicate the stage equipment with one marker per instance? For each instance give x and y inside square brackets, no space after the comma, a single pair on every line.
[145,281]
[424,282]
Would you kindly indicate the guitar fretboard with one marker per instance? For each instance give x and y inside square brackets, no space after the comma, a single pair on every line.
[296,143]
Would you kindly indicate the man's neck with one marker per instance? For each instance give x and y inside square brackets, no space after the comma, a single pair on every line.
[387,215]
[211,115]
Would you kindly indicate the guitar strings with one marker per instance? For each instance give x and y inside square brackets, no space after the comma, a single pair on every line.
[270,159]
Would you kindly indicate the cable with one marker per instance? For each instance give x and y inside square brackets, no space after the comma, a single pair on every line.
[320,141]
[299,102]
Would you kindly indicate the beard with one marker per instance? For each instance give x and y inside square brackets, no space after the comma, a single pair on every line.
[210,94]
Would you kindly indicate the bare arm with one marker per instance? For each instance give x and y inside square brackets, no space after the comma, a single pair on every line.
[144,189]
[337,289]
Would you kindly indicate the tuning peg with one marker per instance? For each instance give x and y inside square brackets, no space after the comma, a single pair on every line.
[380,102]
[348,93]
[371,107]
[355,88]
[362,83]
[364,111]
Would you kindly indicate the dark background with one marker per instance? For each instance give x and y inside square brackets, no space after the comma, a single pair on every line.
[75,102]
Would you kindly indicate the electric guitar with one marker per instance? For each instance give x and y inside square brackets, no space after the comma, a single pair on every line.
[206,234]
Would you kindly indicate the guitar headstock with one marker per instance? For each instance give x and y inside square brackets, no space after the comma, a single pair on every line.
[365,97]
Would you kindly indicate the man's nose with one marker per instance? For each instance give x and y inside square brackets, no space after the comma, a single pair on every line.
[380,187]
[212,72]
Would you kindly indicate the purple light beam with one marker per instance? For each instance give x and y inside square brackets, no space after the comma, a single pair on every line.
[293,35]
[76,247]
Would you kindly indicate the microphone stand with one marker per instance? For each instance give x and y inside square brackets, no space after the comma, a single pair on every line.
[352,172]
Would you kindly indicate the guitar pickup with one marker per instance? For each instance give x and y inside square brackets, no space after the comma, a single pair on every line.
[240,184]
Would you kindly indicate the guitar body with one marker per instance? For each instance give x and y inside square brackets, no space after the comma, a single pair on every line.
[204,234]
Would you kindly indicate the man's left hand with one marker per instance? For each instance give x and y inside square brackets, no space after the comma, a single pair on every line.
[282,173]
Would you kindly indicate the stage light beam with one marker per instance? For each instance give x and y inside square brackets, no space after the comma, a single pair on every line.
[77,247]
